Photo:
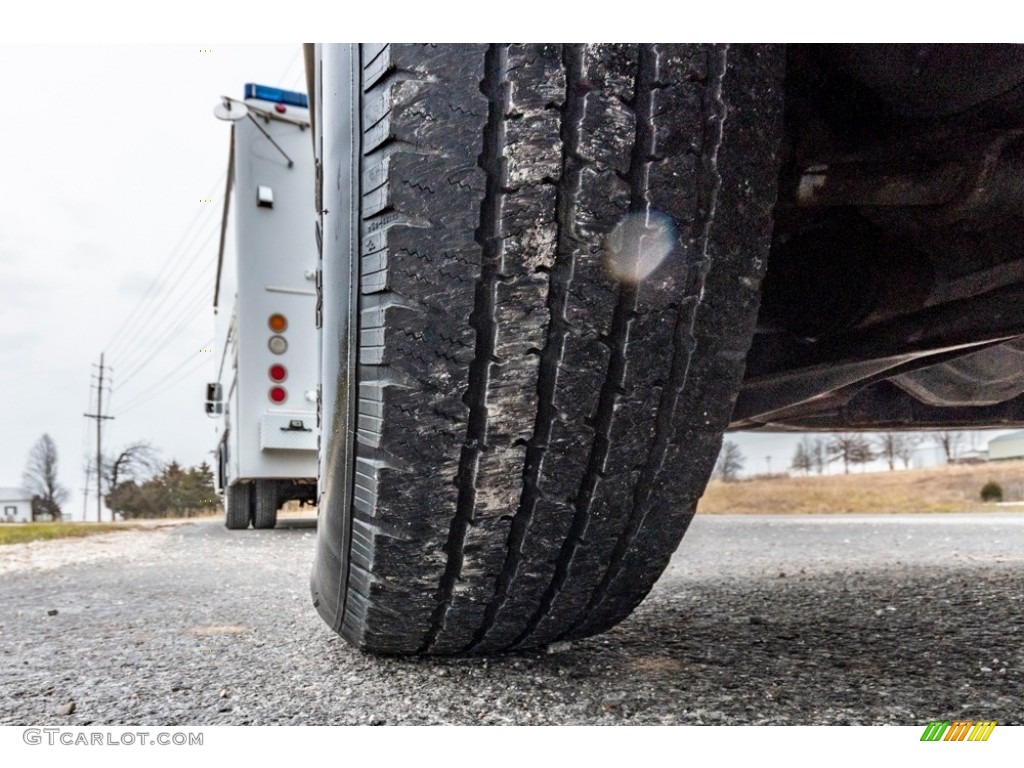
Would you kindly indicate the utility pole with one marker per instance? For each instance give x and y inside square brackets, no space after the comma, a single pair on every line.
[99,444]
[85,492]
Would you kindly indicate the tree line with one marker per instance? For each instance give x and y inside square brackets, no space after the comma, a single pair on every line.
[134,483]
[816,454]
[172,492]
[853,448]
[138,485]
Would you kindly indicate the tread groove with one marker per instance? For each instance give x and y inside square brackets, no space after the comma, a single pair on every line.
[559,281]
[490,238]
[638,177]
[683,345]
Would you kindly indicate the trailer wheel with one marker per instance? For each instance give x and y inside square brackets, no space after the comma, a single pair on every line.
[529,367]
[238,506]
[266,504]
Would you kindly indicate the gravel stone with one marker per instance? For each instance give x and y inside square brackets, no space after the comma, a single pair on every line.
[154,625]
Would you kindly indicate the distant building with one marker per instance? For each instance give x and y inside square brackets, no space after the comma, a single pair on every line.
[1009,446]
[927,455]
[15,505]
[972,456]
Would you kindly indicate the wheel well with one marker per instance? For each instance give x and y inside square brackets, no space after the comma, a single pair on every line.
[895,251]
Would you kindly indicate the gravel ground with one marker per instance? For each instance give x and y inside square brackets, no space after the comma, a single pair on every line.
[758,620]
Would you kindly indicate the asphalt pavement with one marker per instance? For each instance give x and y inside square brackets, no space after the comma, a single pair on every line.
[758,620]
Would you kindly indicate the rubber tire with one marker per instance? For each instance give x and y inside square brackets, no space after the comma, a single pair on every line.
[532,435]
[267,501]
[238,506]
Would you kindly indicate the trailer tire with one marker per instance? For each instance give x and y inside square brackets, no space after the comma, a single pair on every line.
[267,500]
[238,506]
[522,401]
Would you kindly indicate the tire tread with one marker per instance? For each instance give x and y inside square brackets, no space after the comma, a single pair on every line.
[532,435]
[237,506]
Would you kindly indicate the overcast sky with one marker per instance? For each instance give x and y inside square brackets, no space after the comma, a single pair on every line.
[107,154]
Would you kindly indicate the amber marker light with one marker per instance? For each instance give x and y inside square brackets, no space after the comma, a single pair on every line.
[278,323]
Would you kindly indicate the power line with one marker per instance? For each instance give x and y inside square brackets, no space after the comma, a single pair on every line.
[115,340]
[149,394]
[185,305]
[152,334]
[132,345]
[160,337]
[161,312]
[167,385]
[159,345]
[119,340]
[177,366]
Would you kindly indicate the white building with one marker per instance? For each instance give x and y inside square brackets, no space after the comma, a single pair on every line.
[1009,446]
[15,505]
[927,455]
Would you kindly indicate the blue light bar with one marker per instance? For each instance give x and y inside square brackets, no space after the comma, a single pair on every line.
[276,95]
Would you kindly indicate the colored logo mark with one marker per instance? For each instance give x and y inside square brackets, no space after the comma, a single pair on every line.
[958,730]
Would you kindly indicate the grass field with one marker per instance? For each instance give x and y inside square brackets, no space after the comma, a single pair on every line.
[18,533]
[942,489]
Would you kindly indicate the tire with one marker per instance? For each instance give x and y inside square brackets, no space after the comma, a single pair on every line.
[534,422]
[238,506]
[266,503]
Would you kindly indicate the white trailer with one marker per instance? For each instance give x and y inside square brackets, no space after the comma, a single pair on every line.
[266,392]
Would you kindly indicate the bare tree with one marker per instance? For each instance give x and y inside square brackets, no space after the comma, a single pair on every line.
[862,452]
[896,445]
[809,455]
[802,461]
[819,455]
[951,443]
[851,448]
[730,462]
[40,479]
[906,444]
[138,461]
[135,464]
[888,444]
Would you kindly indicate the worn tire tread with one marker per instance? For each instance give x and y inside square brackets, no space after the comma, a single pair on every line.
[532,435]
[266,501]
[237,506]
